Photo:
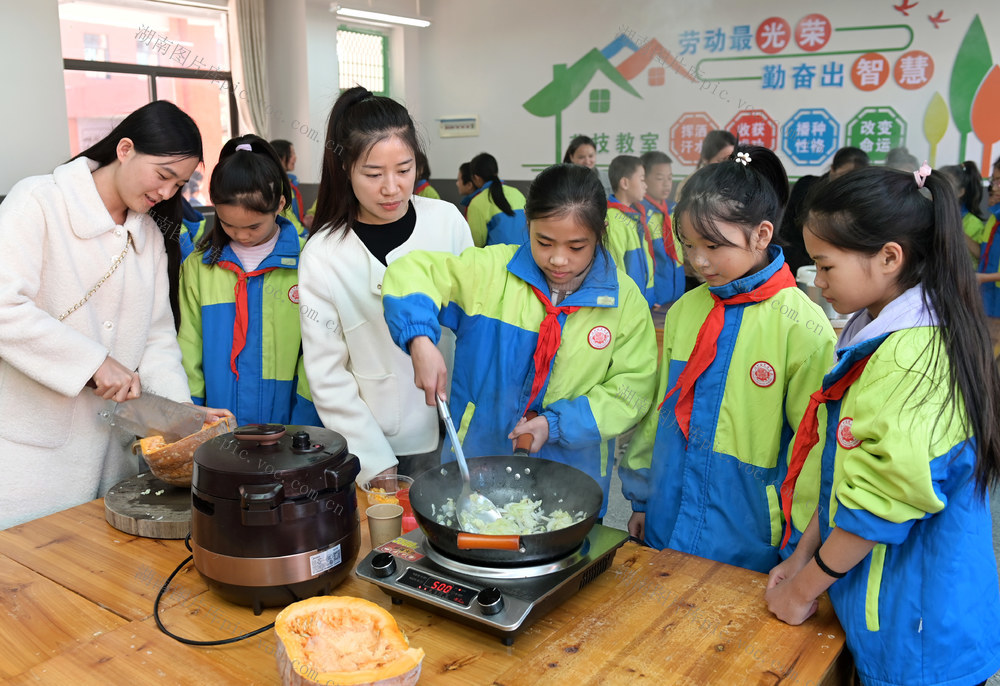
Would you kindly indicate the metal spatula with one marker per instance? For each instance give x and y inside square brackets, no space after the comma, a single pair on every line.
[476,505]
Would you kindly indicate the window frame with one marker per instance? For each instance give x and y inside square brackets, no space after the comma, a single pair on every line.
[385,56]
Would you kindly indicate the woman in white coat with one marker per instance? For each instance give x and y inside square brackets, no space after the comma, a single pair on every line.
[84,301]
[366,217]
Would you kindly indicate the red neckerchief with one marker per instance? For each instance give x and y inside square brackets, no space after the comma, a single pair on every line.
[808,435]
[989,243]
[705,345]
[421,185]
[668,229]
[242,320]
[298,202]
[640,216]
[549,337]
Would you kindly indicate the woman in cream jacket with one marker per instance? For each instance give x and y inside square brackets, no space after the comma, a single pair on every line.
[366,217]
[59,235]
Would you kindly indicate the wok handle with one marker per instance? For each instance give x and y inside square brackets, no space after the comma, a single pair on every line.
[522,445]
[467,541]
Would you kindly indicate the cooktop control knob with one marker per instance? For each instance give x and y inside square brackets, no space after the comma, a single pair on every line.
[490,600]
[383,565]
[300,440]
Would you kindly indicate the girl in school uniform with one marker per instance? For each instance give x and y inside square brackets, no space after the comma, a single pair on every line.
[741,354]
[551,326]
[85,300]
[423,186]
[907,426]
[496,212]
[466,189]
[967,184]
[988,270]
[295,210]
[367,218]
[239,295]
[582,150]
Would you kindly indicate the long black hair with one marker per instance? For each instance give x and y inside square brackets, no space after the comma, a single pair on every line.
[484,165]
[162,129]
[713,143]
[864,210]
[735,193]
[853,158]
[284,150]
[967,183]
[253,179]
[575,144]
[569,189]
[359,119]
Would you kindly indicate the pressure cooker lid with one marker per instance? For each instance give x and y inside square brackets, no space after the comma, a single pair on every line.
[300,457]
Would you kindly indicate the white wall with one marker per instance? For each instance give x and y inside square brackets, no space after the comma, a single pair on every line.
[488,58]
[34,136]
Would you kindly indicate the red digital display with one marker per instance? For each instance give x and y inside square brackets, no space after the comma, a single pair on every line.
[438,587]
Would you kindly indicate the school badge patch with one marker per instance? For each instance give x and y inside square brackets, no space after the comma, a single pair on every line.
[845,438]
[762,374]
[599,337]
[293,294]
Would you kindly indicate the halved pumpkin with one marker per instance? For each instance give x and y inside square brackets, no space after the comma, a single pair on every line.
[345,641]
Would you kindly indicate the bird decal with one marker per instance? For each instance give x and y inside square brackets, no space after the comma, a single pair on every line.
[938,19]
[904,7]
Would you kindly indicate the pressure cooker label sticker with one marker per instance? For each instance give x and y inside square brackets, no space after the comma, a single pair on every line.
[328,559]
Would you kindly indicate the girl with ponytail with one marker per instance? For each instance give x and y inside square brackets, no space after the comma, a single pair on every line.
[496,212]
[367,216]
[901,535]
[741,354]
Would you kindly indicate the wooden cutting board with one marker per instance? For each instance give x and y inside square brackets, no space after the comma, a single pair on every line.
[145,506]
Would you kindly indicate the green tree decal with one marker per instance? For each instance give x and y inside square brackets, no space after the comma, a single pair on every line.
[971,65]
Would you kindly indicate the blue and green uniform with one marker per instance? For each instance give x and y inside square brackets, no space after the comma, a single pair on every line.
[192,229]
[989,263]
[628,246]
[263,382]
[600,381]
[424,189]
[668,255]
[715,494]
[897,469]
[489,225]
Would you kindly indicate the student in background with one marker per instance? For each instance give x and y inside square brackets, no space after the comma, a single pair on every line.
[466,189]
[907,425]
[550,326]
[367,218]
[668,256]
[192,228]
[967,183]
[239,295]
[716,146]
[496,213]
[295,211]
[85,300]
[423,185]
[583,151]
[988,271]
[629,241]
[900,158]
[844,160]
[741,355]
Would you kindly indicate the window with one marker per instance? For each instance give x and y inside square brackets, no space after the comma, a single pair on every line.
[160,51]
[600,100]
[363,60]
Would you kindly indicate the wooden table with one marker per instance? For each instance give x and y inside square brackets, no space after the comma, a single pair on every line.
[76,601]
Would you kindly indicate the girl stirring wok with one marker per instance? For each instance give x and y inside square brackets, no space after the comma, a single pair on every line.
[551,326]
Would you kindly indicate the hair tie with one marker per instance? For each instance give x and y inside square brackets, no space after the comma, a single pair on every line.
[921,174]
[743,158]
[245,146]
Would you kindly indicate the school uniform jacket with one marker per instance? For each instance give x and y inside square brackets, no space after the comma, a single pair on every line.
[897,468]
[424,189]
[267,385]
[989,263]
[716,494]
[668,274]
[361,383]
[489,225]
[57,240]
[602,375]
[627,244]
[192,230]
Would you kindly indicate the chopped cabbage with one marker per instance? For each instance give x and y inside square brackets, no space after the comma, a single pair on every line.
[520,518]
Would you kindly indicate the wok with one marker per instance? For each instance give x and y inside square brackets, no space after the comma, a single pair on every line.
[504,479]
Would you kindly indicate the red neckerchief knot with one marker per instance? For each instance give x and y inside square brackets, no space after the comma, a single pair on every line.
[242,319]
[668,229]
[549,337]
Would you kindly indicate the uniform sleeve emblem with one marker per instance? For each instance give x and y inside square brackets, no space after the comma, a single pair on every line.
[762,374]
[599,337]
[293,294]
[845,438]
